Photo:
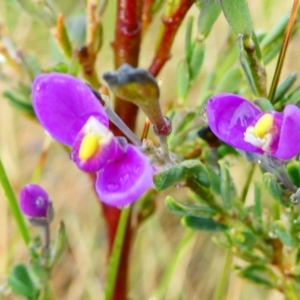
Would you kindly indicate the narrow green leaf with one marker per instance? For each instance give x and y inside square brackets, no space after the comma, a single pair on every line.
[294,96]
[238,16]
[257,203]
[18,103]
[264,104]
[286,84]
[271,53]
[273,187]
[260,274]
[276,32]
[207,17]
[188,38]
[59,245]
[230,82]
[225,185]
[182,119]
[204,224]
[13,204]
[187,169]
[196,59]
[283,233]
[183,81]
[183,209]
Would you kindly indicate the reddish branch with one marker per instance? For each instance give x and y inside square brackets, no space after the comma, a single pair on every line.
[170,27]
[126,49]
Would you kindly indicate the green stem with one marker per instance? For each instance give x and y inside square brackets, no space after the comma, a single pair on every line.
[13,204]
[247,183]
[222,283]
[164,283]
[114,259]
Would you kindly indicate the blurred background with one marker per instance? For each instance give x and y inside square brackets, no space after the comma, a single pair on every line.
[80,272]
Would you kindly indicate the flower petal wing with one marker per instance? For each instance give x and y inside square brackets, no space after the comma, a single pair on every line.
[229,116]
[289,141]
[63,104]
[123,181]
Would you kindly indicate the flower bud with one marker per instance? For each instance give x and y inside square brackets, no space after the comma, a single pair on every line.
[35,202]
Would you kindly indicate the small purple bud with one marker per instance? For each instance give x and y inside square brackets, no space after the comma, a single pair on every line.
[34,201]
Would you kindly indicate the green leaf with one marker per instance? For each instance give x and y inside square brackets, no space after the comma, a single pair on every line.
[207,17]
[183,209]
[260,274]
[264,104]
[183,81]
[188,39]
[225,185]
[273,187]
[230,81]
[238,16]
[18,103]
[294,96]
[196,59]
[21,283]
[242,238]
[204,224]
[257,203]
[187,169]
[59,245]
[276,32]
[292,168]
[215,181]
[283,88]
[182,119]
[283,233]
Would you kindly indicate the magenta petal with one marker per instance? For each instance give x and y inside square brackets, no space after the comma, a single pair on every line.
[34,201]
[123,181]
[109,147]
[229,116]
[63,104]
[289,141]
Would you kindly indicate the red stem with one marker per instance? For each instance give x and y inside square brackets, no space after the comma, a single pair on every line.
[170,27]
[126,48]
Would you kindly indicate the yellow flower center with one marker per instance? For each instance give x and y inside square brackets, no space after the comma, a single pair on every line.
[263,125]
[89,146]
[261,134]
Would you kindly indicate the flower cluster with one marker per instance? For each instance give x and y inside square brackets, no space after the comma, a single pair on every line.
[241,124]
[70,112]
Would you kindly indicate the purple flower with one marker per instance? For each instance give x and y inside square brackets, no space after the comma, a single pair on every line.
[69,111]
[241,124]
[34,201]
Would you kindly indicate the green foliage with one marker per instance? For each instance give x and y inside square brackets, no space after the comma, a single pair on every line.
[189,169]
[183,209]
[260,274]
[22,283]
[238,16]
[204,224]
